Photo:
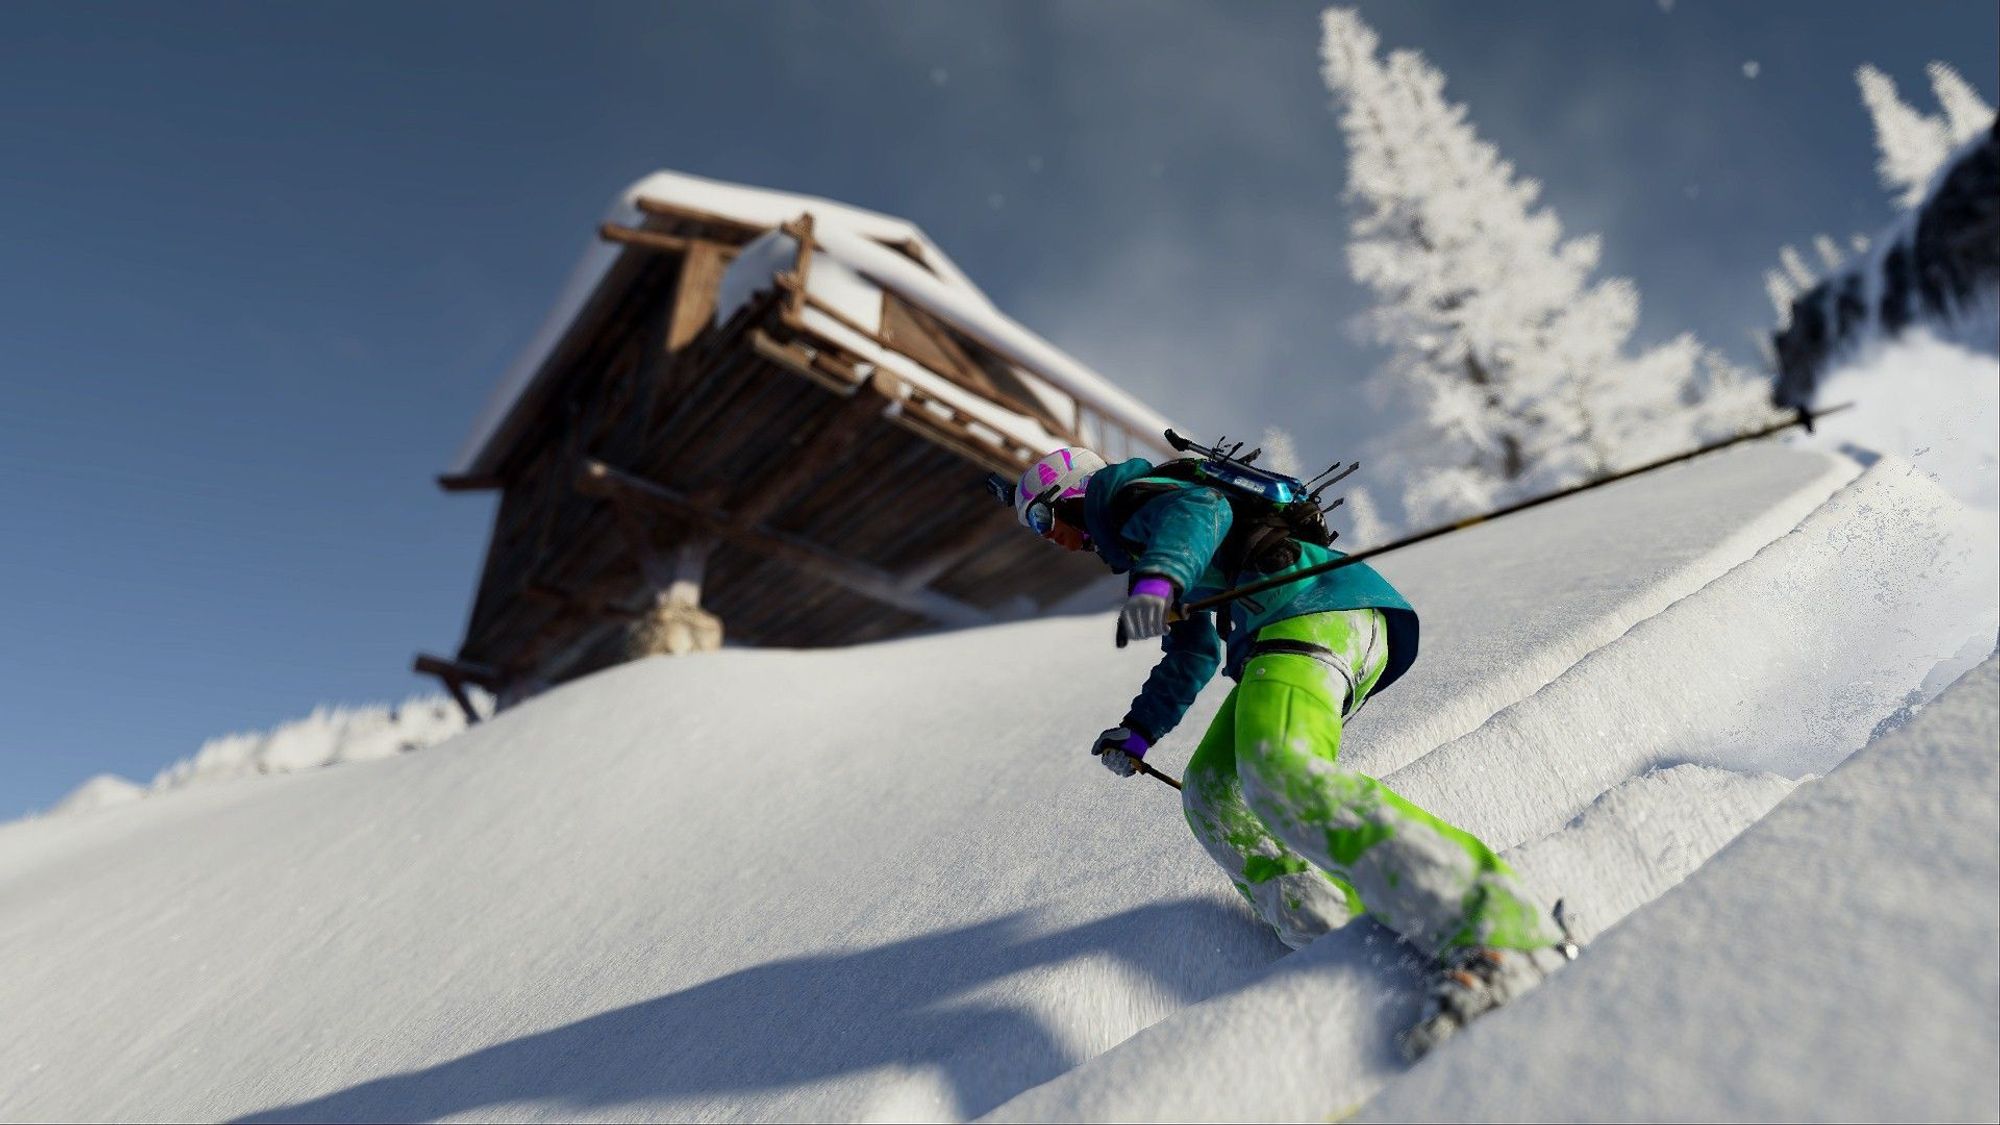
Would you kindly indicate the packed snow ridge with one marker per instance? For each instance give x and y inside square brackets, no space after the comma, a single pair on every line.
[888,882]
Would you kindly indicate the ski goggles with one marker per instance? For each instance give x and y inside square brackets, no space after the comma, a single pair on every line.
[1040,514]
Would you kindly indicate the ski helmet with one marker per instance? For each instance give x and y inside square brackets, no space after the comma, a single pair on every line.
[1057,476]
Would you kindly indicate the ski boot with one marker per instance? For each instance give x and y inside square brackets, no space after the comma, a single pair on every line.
[1475,979]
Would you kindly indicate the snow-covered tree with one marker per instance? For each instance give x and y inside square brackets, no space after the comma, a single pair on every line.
[1913,145]
[1280,451]
[1966,113]
[1794,277]
[1516,358]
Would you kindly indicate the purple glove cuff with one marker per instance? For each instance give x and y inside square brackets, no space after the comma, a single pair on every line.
[1123,739]
[1152,585]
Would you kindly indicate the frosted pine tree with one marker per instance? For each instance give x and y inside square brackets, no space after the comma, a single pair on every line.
[1966,114]
[1795,277]
[1913,145]
[1515,358]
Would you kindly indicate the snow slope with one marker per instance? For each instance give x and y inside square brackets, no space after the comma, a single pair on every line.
[1313,1035]
[887,882]
[1931,397]
[1895,1020]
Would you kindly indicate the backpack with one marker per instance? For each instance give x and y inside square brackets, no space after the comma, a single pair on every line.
[1271,513]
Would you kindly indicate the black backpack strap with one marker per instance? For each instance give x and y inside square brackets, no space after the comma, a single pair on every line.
[1268,543]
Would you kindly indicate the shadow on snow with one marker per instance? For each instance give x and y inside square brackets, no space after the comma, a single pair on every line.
[786,1023]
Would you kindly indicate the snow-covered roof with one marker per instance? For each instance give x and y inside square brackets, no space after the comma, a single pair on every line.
[853,265]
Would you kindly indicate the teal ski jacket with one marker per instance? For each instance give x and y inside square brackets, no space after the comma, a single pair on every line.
[1176,535]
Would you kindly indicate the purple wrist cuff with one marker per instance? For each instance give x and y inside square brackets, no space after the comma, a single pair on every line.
[1153,585]
[1135,745]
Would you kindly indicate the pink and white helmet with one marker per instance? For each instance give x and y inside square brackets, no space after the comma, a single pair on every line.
[1057,476]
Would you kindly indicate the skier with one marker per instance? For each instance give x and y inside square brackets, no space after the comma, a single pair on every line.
[1308,844]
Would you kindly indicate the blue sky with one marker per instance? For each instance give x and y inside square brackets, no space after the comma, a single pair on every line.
[261,264]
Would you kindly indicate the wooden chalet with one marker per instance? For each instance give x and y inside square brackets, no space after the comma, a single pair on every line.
[766,416]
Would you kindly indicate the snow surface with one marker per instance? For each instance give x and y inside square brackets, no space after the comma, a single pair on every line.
[888,883]
[1840,960]
[1509,606]
[1313,1036]
[1932,397]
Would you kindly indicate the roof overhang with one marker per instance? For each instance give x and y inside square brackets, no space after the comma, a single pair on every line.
[858,240]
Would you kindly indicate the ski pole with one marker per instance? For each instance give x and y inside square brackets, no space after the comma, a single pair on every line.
[1804,418]
[1140,765]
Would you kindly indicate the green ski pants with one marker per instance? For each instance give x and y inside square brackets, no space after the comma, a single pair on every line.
[1310,844]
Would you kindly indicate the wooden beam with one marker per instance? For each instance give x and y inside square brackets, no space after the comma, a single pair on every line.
[954,431]
[645,239]
[808,301]
[695,293]
[478,674]
[455,675]
[481,483]
[801,230]
[815,366]
[860,578]
[870,582]
[736,227]
[578,604]
[959,418]
[957,550]
[832,438]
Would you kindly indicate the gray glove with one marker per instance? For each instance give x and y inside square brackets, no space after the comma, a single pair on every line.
[1145,614]
[1121,749]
